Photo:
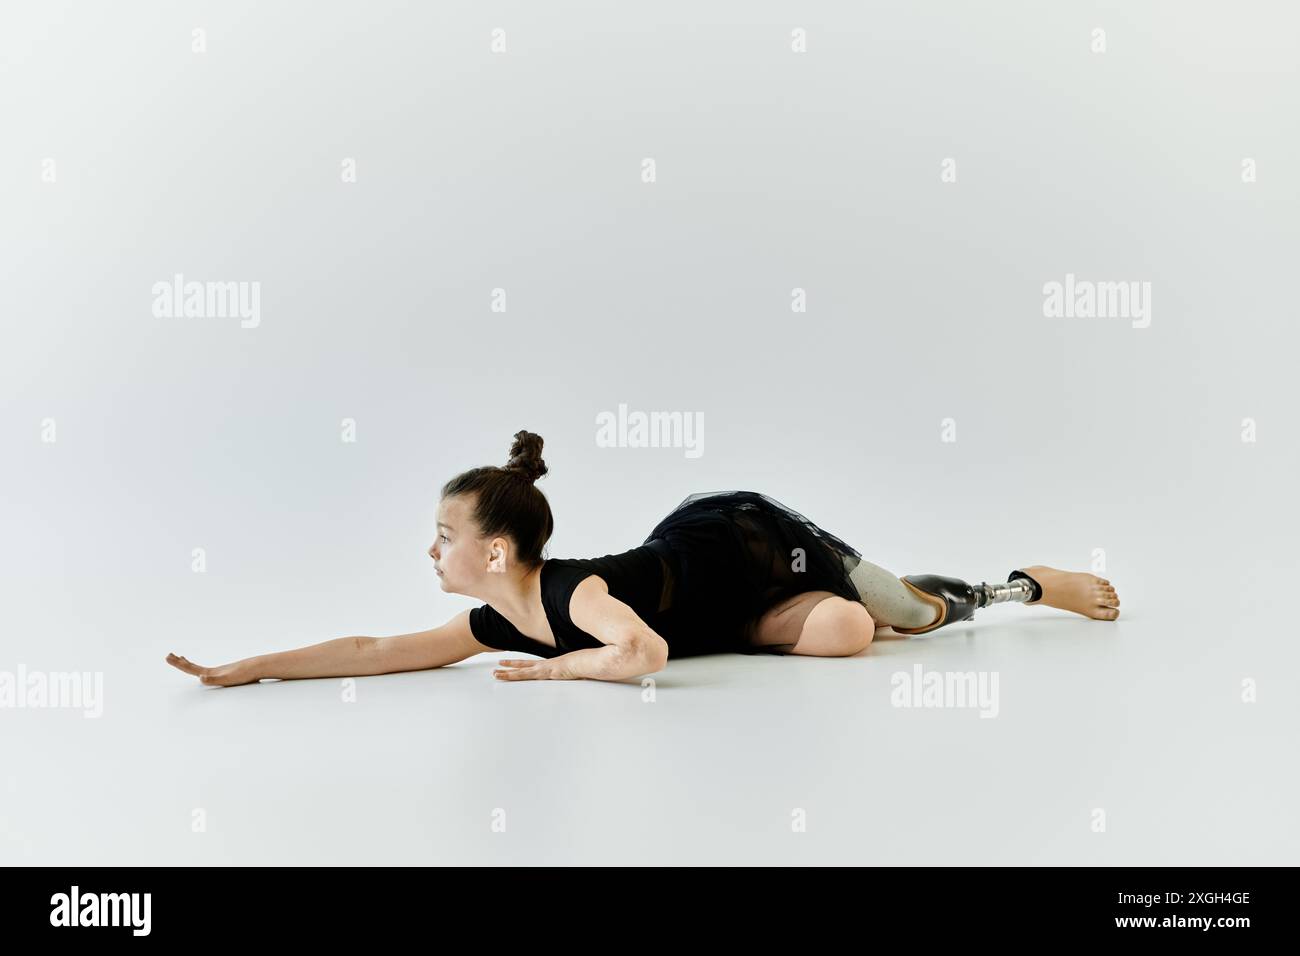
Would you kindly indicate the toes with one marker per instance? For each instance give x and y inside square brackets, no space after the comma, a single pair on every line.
[1106,596]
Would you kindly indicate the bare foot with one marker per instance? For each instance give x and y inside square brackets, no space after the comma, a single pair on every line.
[228,675]
[1075,591]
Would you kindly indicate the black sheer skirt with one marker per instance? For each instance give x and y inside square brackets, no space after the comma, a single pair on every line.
[732,555]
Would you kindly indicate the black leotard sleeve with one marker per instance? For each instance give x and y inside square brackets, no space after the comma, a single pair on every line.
[491,629]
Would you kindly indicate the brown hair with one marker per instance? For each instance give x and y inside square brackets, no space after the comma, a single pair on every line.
[506,500]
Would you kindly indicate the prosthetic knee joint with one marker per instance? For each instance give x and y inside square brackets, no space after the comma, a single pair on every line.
[958,601]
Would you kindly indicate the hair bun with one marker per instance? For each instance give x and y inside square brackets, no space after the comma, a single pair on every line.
[526,456]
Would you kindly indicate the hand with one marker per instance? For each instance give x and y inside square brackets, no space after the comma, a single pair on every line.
[228,675]
[534,670]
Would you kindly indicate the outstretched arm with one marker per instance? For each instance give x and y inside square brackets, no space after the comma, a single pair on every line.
[348,657]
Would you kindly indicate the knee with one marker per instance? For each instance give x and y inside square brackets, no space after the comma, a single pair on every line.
[848,626]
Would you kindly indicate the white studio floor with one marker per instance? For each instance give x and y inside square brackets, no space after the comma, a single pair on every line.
[731,759]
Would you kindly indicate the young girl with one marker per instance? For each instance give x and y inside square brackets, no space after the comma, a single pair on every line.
[728,571]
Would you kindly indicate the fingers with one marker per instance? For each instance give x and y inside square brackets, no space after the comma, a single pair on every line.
[227,675]
[522,670]
[183,664]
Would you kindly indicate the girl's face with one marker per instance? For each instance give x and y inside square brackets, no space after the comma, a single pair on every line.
[459,555]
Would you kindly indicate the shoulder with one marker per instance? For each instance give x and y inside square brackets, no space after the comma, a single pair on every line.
[567,579]
[568,584]
[581,598]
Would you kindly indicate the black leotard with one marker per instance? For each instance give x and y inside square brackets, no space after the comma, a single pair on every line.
[704,575]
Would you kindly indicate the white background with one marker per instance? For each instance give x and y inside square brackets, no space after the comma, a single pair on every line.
[775,171]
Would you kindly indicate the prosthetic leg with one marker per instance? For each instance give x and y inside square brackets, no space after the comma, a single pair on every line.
[955,600]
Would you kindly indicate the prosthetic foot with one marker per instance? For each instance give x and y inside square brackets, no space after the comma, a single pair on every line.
[958,601]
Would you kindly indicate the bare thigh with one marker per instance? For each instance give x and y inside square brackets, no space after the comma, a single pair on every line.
[817,624]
